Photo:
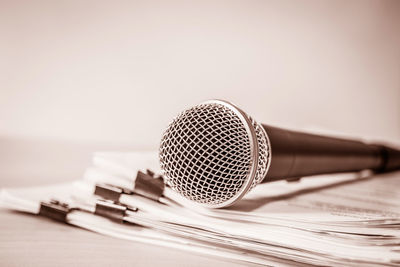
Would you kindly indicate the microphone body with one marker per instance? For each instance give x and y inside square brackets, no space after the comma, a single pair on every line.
[297,154]
[214,153]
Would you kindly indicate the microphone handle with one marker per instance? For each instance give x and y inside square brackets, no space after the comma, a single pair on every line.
[296,154]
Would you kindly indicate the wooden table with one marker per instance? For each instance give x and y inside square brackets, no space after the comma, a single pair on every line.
[28,240]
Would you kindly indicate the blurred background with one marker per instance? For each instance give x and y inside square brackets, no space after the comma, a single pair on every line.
[113,74]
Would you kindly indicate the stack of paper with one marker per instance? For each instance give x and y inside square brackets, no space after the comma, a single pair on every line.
[348,219]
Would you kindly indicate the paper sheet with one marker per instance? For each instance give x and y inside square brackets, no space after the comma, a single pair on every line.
[347,219]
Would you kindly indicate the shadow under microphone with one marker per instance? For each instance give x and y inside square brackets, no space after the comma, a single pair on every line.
[214,153]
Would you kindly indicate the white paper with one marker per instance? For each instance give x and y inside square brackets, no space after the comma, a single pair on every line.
[346,219]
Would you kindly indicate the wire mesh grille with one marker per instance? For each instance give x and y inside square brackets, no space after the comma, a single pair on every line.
[264,154]
[205,154]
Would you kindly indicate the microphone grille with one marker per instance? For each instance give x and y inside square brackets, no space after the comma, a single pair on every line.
[214,153]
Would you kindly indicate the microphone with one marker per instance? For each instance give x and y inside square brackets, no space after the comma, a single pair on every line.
[214,153]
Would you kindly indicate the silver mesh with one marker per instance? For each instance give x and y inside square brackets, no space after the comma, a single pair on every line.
[264,153]
[207,154]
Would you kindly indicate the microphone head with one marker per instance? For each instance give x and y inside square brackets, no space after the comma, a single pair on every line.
[214,153]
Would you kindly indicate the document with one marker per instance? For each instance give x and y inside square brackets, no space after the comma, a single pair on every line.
[350,219]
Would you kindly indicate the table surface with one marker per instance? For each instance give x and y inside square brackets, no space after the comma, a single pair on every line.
[29,240]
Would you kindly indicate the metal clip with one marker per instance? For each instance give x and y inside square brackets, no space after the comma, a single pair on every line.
[109,192]
[112,210]
[55,210]
[149,185]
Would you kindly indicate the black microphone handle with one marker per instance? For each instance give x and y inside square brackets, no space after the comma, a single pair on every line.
[296,154]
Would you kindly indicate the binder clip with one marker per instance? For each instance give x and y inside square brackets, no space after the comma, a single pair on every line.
[111,210]
[147,184]
[55,210]
[109,192]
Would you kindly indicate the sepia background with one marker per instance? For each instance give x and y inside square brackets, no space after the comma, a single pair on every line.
[116,72]
[78,76]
